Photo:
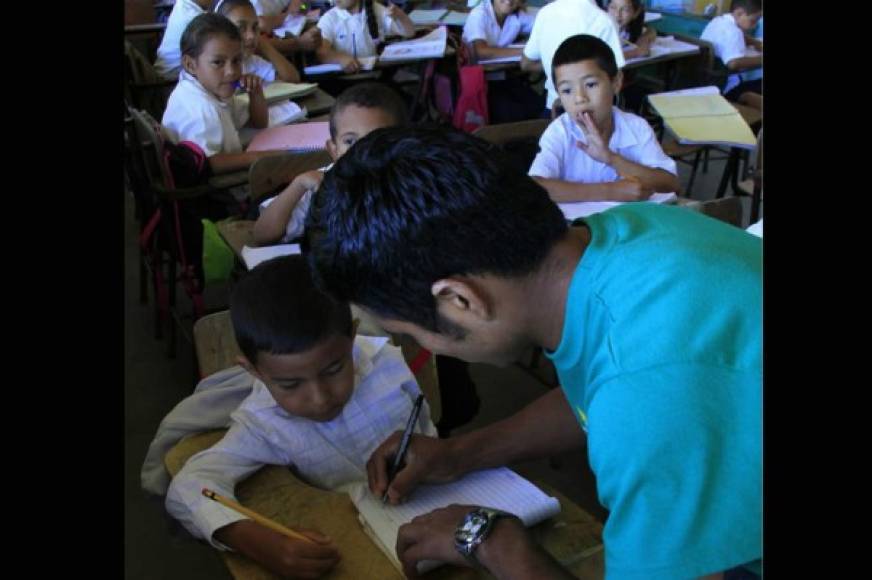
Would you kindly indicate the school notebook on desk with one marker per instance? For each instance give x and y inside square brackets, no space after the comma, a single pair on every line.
[499,488]
[279,91]
[430,46]
[310,136]
[703,117]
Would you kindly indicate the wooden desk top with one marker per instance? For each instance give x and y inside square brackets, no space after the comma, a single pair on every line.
[237,234]
[316,103]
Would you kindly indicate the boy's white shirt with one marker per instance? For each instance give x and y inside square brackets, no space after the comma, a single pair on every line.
[257,65]
[297,222]
[559,20]
[269,7]
[482,25]
[728,41]
[169,54]
[195,114]
[328,455]
[344,30]
[560,158]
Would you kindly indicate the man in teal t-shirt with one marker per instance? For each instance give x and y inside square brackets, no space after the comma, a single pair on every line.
[651,315]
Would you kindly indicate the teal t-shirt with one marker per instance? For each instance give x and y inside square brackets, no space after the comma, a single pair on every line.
[661,361]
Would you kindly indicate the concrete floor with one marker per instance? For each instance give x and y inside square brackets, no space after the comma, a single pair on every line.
[157,549]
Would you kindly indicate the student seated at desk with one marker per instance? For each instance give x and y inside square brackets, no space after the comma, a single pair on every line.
[201,108]
[355,28]
[169,56]
[359,110]
[271,14]
[260,57]
[629,15]
[595,151]
[491,27]
[323,400]
[727,33]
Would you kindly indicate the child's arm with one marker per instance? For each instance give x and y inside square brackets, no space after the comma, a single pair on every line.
[755,42]
[530,65]
[257,109]
[484,51]
[745,63]
[629,189]
[285,70]
[402,23]
[643,44]
[272,224]
[326,54]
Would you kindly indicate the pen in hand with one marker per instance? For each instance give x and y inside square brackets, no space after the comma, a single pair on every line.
[404,444]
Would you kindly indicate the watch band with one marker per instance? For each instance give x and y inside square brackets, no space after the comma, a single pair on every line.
[473,529]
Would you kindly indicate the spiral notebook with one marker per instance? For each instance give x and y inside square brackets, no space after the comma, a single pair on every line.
[499,488]
[310,136]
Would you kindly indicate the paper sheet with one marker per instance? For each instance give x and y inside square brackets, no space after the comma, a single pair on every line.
[254,256]
[293,25]
[310,136]
[579,209]
[430,46]
[320,69]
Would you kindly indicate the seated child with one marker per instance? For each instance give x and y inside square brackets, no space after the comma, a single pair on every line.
[259,56]
[727,33]
[355,28]
[595,151]
[629,15]
[322,402]
[359,110]
[169,57]
[201,108]
[271,14]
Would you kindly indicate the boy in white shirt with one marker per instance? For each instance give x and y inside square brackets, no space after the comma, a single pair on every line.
[358,111]
[260,57]
[322,402]
[271,14]
[595,151]
[495,24]
[729,34]
[169,54]
[355,28]
[556,22]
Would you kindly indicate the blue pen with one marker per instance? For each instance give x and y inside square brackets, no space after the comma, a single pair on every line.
[354,45]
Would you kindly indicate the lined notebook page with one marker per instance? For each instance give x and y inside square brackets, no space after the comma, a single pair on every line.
[675,106]
[499,488]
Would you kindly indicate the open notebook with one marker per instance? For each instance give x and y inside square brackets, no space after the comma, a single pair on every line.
[499,488]
[577,209]
[703,117]
[279,91]
[430,46]
[311,136]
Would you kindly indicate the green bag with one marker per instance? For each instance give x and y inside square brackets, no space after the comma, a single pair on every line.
[218,258]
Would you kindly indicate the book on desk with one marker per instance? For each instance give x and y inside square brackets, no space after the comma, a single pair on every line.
[702,116]
[311,136]
[277,91]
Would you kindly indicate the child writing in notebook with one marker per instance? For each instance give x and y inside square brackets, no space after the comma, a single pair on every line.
[359,110]
[729,34]
[169,57]
[355,28]
[260,57]
[629,15]
[595,151]
[201,108]
[322,401]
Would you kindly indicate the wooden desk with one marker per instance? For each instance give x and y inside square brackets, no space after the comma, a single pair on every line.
[574,537]
[316,103]
[237,233]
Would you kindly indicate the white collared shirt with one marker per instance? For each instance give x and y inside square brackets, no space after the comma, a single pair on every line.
[559,20]
[297,222]
[195,114]
[345,30]
[482,25]
[169,54]
[256,65]
[728,41]
[269,7]
[560,158]
[327,455]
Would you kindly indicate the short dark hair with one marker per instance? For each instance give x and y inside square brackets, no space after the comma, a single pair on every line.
[750,6]
[204,27]
[584,47]
[637,24]
[370,95]
[277,309]
[405,207]
[226,6]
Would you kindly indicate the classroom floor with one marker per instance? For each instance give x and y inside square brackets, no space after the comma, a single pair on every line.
[154,546]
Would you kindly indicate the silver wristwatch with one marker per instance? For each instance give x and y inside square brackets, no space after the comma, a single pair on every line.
[474,528]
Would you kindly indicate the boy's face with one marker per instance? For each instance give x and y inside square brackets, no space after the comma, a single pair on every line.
[245,19]
[315,384]
[354,123]
[505,7]
[218,67]
[746,21]
[583,87]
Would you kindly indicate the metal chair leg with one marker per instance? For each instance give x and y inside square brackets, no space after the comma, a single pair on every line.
[756,198]
[693,173]
[729,169]
[171,283]
[705,159]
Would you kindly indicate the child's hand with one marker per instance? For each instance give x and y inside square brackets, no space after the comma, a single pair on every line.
[392,10]
[252,84]
[630,188]
[349,64]
[310,40]
[309,180]
[596,146]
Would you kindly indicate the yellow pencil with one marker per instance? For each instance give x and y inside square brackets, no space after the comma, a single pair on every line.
[275,526]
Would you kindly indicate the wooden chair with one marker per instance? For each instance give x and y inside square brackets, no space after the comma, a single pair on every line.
[520,140]
[160,236]
[144,88]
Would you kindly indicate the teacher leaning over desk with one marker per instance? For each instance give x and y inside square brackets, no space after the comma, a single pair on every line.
[439,237]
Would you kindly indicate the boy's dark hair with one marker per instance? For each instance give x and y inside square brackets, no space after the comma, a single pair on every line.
[202,28]
[228,5]
[405,207]
[369,95]
[584,47]
[637,24]
[277,309]
[750,6]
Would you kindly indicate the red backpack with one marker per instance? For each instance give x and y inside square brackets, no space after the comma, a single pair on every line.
[471,112]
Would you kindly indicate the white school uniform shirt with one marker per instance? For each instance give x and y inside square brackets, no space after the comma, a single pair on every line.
[327,455]
[482,25]
[256,65]
[195,114]
[559,20]
[560,158]
[728,41]
[269,7]
[344,30]
[297,222]
[169,54]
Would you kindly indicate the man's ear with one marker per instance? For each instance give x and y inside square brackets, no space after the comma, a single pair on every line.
[618,82]
[462,298]
[189,64]
[332,149]
[246,364]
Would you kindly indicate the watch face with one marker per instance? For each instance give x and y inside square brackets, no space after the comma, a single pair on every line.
[471,527]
